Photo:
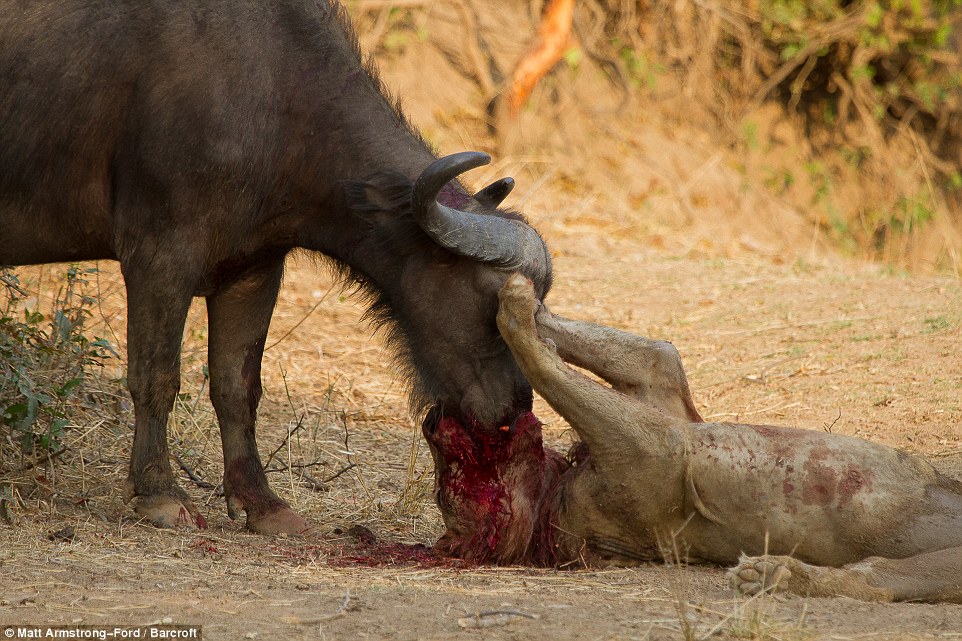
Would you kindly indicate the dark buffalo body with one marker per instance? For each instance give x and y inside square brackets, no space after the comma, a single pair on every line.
[198,142]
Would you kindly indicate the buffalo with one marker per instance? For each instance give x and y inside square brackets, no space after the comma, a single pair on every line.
[199,142]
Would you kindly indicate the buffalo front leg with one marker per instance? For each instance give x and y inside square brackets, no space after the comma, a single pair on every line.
[156,311]
[239,316]
[930,576]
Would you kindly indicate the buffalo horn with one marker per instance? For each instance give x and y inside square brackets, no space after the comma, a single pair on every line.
[493,194]
[503,242]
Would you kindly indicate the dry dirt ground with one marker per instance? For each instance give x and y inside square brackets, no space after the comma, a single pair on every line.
[654,229]
[831,346]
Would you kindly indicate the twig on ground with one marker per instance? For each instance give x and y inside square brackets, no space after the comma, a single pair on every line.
[345,469]
[284,466]
[290,432]
[493,618]
[197,480]
[47,457]
[337,614]
[313,483]
[828,428]
[200,392]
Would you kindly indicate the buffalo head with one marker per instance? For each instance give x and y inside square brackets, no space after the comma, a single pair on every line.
[434,259]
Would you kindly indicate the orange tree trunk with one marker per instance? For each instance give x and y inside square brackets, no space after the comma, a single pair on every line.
[554,33]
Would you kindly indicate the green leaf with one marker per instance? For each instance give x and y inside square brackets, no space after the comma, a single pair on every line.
[573,57]
[69,386]
[790,51]
[14,413]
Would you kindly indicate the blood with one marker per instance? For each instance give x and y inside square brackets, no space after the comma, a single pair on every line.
[472,479]
[184,518]
[499,491]
[204,545]
[819,485]
[451,196]
[852,483]
[496,489]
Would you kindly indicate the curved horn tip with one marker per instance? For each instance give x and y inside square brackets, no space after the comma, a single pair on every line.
[496,192]
[440,172]
[461,161]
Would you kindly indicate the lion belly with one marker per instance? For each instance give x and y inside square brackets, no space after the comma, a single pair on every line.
[824,498]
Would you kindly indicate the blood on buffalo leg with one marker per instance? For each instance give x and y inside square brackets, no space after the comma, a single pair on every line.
[239,316]
[157,304]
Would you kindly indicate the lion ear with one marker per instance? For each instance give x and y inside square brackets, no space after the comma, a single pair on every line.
[385,192]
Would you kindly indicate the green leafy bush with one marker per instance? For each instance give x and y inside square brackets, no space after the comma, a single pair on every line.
[45,362]
[874,85]
[891,65]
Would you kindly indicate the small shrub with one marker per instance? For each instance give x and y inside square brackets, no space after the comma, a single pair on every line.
[874,86]
[45,363]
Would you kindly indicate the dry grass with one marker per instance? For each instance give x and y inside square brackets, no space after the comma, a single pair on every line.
[868,170]
[322,445]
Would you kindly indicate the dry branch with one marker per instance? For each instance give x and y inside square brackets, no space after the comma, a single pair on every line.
[193,476]
[554,32]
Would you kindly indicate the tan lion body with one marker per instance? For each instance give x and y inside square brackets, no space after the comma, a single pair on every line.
[658,483]
[821,497]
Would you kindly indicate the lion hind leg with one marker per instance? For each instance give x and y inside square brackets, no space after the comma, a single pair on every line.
[931,576]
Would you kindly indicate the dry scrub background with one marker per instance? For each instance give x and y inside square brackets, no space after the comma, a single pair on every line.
[657,226]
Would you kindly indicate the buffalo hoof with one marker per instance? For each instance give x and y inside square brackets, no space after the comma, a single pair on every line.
[169,512]
[754,575]
[283,520]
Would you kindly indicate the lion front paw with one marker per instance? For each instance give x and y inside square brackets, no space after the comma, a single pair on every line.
[755,575]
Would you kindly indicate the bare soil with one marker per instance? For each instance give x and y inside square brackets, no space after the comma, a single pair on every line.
[654,229]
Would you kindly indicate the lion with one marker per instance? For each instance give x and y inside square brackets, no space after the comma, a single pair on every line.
[809,512]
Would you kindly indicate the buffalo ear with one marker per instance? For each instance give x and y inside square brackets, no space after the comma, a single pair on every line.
[379,193]
[496,192]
